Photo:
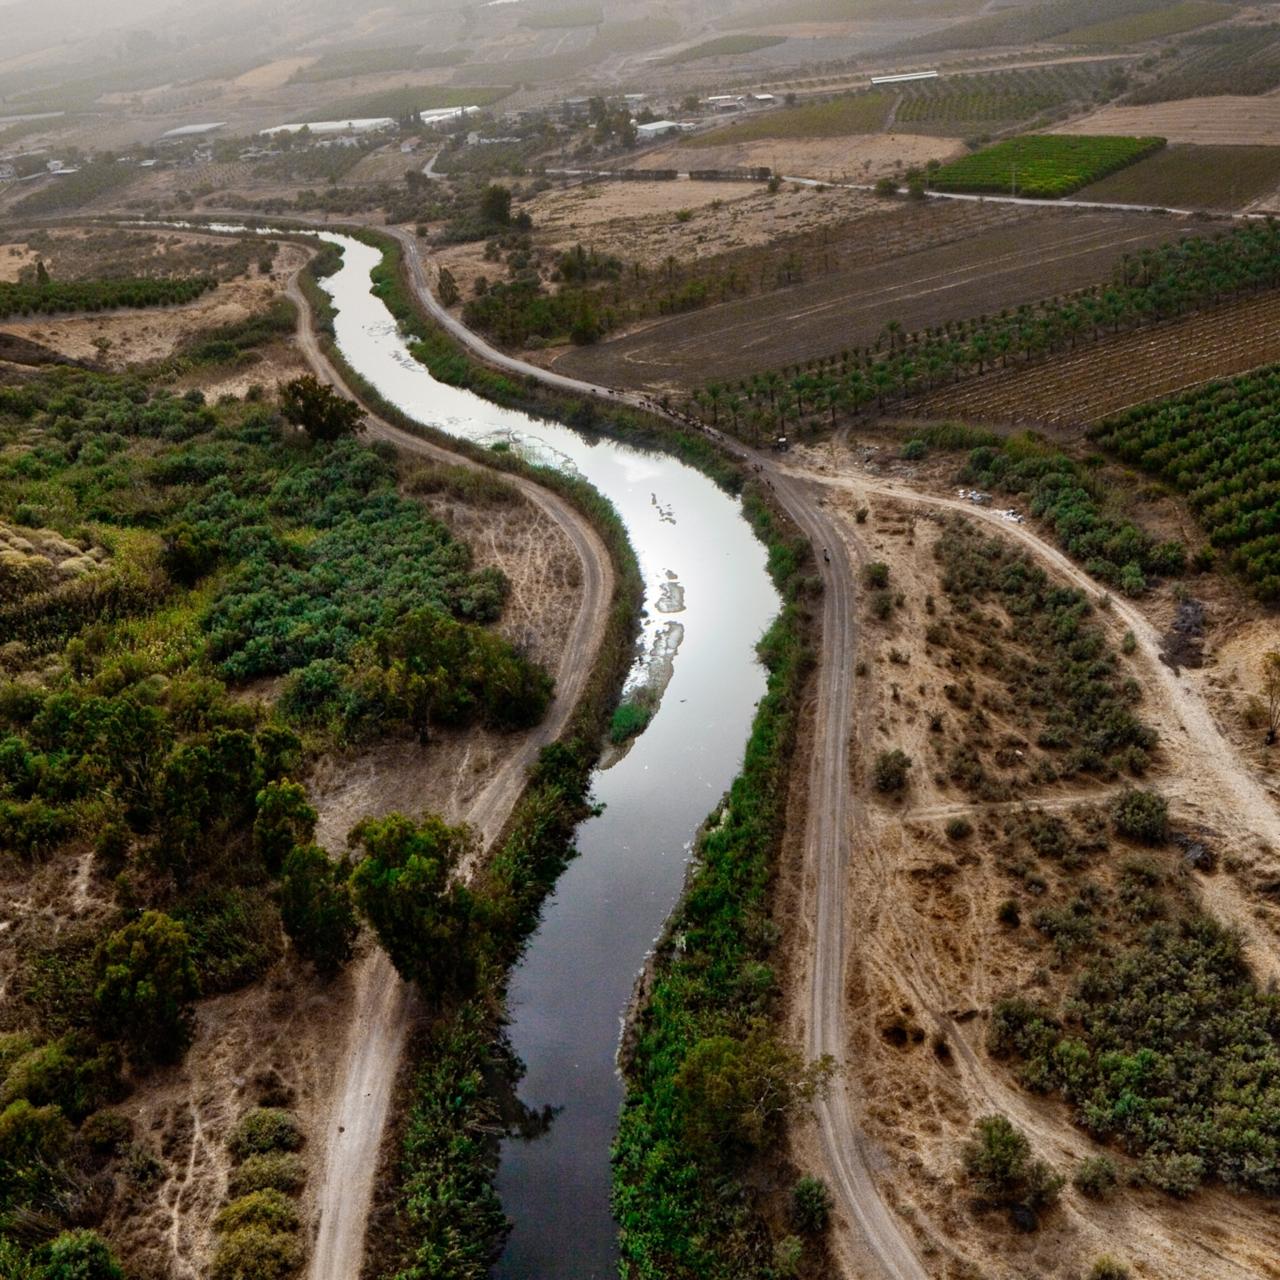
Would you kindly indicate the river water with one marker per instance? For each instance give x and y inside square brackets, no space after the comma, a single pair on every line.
[708,596]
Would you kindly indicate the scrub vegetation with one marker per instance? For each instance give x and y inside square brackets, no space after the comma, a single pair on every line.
[50,297]
[146,538]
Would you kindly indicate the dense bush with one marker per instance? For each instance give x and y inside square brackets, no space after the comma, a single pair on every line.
[98,295]
[1169,1049]
[80,1255]
[262,1131]
[1141,815]
[271,1171]
[998,1163]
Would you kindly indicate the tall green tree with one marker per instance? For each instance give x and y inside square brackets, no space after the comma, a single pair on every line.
[316,907]
[146,985]
[318,410]
[427,922]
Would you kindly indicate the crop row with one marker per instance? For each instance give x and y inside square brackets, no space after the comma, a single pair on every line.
[1133,368]
[98,295]
[1220,447]
[1227,60]
[1044,165]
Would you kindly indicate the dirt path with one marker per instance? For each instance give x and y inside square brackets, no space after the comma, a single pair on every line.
[877,1243]
[383,1003]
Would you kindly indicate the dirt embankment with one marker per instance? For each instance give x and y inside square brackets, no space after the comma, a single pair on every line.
[932,954]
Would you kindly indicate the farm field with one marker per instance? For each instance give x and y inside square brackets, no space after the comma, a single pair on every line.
[1152,25]
[1226,60]
[1043,165]
[1219,446]
[1196,177]
[1215,121]
[1071,391]
[1025,256]
[723,47]
[836,118]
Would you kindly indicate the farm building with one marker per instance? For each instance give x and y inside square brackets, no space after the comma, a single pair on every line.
[192,131]
[656,129]
[372,124]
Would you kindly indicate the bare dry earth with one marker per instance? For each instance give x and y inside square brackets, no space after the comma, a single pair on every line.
[930,957]
[1223,121]
[1036,254]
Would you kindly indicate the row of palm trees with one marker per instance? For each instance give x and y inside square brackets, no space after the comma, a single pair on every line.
[1150,287]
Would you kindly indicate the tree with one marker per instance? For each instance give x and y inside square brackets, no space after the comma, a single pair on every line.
[315,905]
[495,205]
[426,921]
[997,1160]
[146,984]
[891,770]
[81,1255]
[735,1091]
[810,1206]
[1271,684]
[1141,815]
[285,819]
[318,410]
[447,286]
[42,272]
[33,1141]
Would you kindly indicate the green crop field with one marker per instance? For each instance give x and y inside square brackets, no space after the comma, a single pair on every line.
[723,47]
[1133,28]
[1219,446]
[1043,165]
[1029,23]
[836,118]
[1194,177]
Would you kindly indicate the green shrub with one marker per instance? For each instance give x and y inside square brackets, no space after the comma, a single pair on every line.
[256,1253]
[316,907]
[262,1130]
[1095,1176]
[80,1255]
[876,574]
[997,1161]
[1141,815]
[272,1171]
[810,1206]
[106,1132]
[269,1209]
[959,829]
[1109,1268]
[890,771]
[914,450]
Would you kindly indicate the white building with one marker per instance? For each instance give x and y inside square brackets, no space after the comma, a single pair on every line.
[370,124]
[193,130]
[656,129]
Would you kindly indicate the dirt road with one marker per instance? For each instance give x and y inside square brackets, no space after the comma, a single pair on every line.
[876,1244]
[383,1003]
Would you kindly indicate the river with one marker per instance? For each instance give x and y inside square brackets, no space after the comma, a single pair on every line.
[709,598]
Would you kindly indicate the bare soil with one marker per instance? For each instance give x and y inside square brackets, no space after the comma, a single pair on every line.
[1251,121]
[1011,255]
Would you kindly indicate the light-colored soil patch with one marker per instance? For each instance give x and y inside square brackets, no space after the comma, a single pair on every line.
[271,75]
[13,258]
[139,337]
[858,158]
[1216,121]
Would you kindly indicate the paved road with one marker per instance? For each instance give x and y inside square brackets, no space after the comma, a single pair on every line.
[383,1004]
[831,824]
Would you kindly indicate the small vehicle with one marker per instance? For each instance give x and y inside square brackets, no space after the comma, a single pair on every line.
[782,445]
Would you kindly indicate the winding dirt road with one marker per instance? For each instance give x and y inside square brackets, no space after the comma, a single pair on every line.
[879,1242]
[383,1003]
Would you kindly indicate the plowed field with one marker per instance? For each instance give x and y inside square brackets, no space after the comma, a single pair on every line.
[1073,390]
[1007,261]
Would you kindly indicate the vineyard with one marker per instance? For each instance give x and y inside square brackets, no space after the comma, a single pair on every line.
[1220,447]
[1046,166]
[948,106]
[98,295]
[1085,386]
[836,118]
[1178,279]
[1229,60]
